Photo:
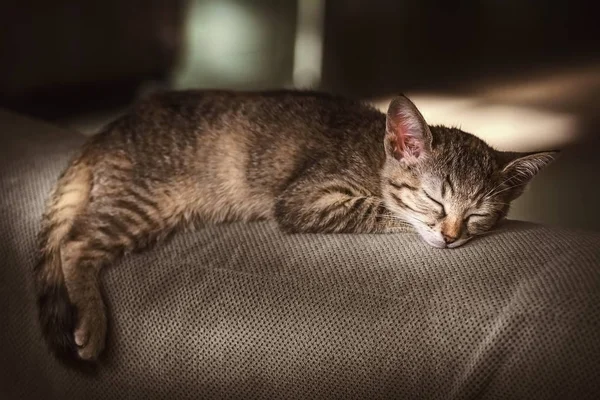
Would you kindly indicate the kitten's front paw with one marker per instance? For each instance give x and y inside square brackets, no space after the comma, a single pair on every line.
[90,333]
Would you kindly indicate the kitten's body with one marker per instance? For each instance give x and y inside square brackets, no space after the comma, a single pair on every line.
[228,156]
[311,161]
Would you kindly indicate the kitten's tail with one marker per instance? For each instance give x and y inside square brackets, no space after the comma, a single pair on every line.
[57,314]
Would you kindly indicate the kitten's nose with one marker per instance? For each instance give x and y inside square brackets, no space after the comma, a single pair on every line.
[449,239]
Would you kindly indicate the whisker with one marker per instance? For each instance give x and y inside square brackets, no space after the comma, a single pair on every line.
[508,188]
[496,187]
[487,194]
[420,220]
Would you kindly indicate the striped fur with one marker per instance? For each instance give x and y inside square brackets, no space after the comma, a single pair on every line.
[58,315]
[310,161]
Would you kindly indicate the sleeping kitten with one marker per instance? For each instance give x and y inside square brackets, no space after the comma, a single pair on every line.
[312,162]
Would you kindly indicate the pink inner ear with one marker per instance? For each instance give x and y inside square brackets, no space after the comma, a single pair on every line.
[407,144]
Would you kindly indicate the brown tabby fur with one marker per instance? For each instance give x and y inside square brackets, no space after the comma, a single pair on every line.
[310,161]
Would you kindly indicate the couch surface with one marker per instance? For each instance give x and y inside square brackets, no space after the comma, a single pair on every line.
[244,311]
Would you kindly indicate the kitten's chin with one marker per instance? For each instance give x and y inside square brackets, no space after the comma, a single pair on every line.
[435,240]
[437,244]
[440,244]
[431,238]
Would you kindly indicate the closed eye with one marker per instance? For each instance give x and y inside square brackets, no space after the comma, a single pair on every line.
[476,215]
[436,202]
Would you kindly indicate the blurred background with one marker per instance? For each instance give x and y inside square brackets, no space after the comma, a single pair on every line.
[522,74]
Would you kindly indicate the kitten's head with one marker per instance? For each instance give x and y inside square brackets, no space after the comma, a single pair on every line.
[448,184]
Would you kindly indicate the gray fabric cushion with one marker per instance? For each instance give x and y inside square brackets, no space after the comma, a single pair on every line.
[244,311]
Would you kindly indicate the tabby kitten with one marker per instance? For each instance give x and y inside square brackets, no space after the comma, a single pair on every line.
[310,161]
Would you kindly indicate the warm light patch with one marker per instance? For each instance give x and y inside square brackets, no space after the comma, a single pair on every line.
[504,126]
[533,113]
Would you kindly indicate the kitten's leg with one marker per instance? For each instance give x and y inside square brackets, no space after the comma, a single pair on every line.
[97,239]
[81,263]
[333,207]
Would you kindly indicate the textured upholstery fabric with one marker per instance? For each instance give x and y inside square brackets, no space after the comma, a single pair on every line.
[243,311]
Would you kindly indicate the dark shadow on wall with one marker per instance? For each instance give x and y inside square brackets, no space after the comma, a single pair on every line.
[374,47]
[70,56]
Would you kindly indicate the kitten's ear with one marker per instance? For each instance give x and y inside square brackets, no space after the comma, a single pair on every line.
[519,169]
[408,138]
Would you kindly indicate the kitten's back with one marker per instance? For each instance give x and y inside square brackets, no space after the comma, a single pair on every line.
[258,140]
